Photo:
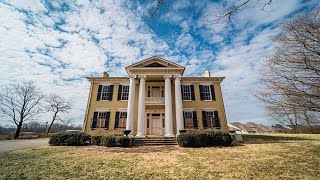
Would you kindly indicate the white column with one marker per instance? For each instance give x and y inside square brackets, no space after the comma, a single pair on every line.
[141,108]
[168,129]
[131,99]
[178,98]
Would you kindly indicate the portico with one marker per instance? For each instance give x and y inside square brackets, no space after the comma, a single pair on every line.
[155,92]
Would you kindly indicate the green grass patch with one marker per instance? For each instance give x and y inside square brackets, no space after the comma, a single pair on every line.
[261,157]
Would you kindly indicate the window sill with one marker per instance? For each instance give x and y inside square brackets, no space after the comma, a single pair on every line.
[99,128]
[104,100]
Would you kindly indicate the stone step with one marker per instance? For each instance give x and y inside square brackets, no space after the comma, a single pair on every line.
[155,141]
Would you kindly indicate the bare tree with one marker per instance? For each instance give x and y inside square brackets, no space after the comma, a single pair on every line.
[58,105]
[21,102]
[291,82]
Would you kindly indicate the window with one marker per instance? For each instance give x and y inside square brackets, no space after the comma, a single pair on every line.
[188,120]
[210,119]
[186,92]
[125,93]
[100,120]
[121,120]
[206,93]
[105,93]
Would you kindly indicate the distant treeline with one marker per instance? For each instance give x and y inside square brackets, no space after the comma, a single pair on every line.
[38,127]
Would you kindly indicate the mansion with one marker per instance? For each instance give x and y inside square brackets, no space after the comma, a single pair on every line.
[154,100]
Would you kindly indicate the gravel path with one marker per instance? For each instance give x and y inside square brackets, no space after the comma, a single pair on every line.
[11,145]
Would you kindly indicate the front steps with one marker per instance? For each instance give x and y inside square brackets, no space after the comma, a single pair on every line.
[155,141]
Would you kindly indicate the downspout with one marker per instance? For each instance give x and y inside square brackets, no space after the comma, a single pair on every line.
[88,107]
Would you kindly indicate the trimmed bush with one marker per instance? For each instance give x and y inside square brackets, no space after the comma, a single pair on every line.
[69,139]
[115,141]
[109,141]
[96,140]
[204,139]
[123,141]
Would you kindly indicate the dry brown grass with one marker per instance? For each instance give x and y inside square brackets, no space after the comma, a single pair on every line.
[261,157]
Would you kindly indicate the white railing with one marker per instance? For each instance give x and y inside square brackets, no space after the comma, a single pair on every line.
[154,100]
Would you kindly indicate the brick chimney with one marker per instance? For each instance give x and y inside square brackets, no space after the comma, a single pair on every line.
[105,74]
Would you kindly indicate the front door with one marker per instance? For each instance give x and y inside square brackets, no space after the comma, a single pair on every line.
[154,124]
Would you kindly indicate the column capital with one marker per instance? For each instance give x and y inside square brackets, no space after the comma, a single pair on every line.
[177,76]
[142,76]
[133,76]
[167,76]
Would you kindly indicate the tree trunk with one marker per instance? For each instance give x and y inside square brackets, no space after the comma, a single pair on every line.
[53,119]
[17,134]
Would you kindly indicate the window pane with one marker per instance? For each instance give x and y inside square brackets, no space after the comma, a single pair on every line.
[206,92]
[210,119]
[188,117]
[186,92]
[122,120]
[125,93]
[105,92]
[101,119]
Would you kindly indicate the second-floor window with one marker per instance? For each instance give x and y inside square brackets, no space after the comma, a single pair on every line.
[105,92]
[123,93]
[187,92]
[207,92]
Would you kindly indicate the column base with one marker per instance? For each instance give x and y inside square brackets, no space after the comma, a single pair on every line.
[140,136]
[169,135]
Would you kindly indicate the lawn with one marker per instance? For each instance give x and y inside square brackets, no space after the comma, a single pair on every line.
[261,157]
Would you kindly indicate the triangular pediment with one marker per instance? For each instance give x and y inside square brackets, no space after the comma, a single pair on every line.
[154,62]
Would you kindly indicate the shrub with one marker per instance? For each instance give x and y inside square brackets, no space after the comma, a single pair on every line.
[69,139]
[204,139]
[109,141]
[96,140]
[123,141]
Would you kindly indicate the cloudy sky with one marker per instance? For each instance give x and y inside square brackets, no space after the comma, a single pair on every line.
[58,43]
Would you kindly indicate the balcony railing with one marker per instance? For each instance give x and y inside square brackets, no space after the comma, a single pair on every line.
[154,100]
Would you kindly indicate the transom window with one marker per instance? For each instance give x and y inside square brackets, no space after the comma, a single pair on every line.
[101,121]
[186,92]
[122,120]
[105,93]
[125,93]
[206,92]
[210,119]
[188,119]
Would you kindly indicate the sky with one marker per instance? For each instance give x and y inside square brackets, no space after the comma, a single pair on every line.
[59,43]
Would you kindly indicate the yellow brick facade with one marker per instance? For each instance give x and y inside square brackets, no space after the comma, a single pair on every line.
[113,106]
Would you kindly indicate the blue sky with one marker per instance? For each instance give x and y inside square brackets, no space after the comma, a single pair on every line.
[58,43]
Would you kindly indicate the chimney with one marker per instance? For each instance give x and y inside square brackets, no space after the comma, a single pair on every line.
[105,74]
[206,73]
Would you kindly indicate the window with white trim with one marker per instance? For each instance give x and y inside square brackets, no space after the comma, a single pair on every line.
[188,119]
[122,120]
[186,92]
[101,120]
[105,93]
[206,91]
[125,93]
[210,119]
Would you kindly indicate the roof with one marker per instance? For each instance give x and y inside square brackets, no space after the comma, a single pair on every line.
[242,127]
[233,128]
[153,59]
[254,127]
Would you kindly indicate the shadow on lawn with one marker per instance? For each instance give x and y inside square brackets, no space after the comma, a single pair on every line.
[262,139]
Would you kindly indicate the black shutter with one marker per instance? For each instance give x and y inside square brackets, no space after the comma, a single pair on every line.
[216,119]
[99,93]
[204,119]
[195,122]
[182,93]
[212,92]
[119,92]
[94,120]
[110,92]
[184,120]
[106,125]
[201,92]
[192,92]
[116,121]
